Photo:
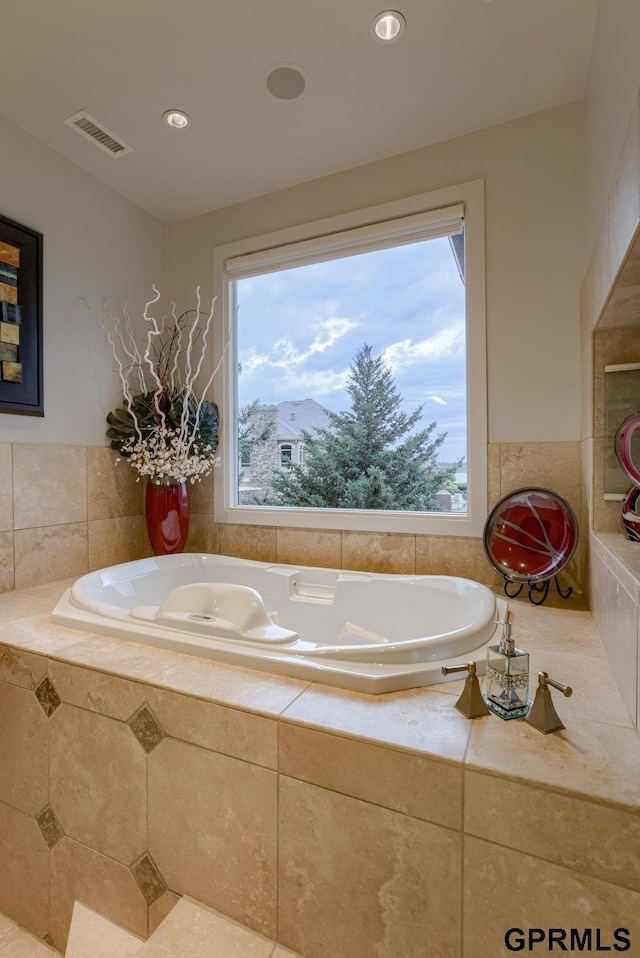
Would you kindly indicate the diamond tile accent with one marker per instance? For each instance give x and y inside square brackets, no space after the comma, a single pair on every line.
[48,940]
[146,728]
[49,826]
[47,696]
[150,881]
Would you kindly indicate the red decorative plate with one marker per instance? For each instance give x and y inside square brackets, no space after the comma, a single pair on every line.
[531,535]
[622,447]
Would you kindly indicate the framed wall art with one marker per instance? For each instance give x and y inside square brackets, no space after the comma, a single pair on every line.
[20,319]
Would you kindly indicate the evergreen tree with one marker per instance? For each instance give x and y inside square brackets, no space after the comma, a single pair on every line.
[368,457]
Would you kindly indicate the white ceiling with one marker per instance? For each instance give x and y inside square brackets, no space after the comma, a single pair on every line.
[461,65]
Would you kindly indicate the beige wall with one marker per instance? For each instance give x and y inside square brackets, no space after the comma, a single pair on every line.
[614,77]
[97,245]
[532,168]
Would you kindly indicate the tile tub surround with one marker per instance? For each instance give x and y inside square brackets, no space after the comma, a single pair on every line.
[615,590]
[67,510]
[137,775]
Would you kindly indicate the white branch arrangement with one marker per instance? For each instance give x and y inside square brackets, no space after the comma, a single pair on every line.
[167,430]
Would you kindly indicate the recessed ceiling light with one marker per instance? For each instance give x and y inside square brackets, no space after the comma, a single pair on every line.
[176,118]
[388,26]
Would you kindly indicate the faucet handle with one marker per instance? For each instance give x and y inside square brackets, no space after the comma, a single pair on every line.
[469,667]
[470,703]
[542,714]
[544,680]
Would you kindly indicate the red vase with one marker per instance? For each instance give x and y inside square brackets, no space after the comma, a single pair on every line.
[167,514]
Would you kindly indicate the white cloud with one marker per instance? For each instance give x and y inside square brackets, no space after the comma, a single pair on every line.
[328,332]
[446,344]
[438,400]
[285,354]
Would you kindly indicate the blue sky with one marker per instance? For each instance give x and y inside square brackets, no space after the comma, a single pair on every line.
[299,329]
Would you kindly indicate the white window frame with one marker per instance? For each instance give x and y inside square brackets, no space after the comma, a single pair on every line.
[304,243]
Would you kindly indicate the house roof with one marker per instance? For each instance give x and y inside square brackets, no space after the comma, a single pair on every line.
[298,416]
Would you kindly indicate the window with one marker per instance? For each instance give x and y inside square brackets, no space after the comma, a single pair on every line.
[286,454]
[388,301]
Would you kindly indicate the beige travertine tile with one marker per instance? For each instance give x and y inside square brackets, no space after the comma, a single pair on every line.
[623,205]
[91,934]
[354,879]
[610,347]
[615,615]
[24,876]
[418,720]
[454,555]
[159,910]
[35,633]
[201,497]
[21,668]
[606,514]
[259,692]
[622,557]
[49,486]
[6,488]
[112,541]
[586,495]
[23,750]
[630,275]
[493,474]
[20,605]
[584,759]
[595,693]
[96,691]
[564,631]
[379,552]
[398,780]
[81,874]
[587,359]
[251,738]
[552,465]
[20,944]
[622,308]
[212,830]
[6,925]
[314,547]
[248,542]
[285,953]
[98,783]
[51,590]
[193,930]
[594,839]
[203,534]
[112,490]
[51,552]
[131,660]
[505,889]
[7,571]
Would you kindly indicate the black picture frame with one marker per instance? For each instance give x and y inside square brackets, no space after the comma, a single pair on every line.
[26,397]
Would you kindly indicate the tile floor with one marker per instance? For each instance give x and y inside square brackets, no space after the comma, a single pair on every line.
[189,931]
[17,943]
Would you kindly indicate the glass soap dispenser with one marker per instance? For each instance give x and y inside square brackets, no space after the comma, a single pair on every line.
[507,677]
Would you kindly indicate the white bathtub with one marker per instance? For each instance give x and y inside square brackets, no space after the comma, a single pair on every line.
[356,630]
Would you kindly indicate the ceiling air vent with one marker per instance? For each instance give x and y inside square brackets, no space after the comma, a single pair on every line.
[87,126]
